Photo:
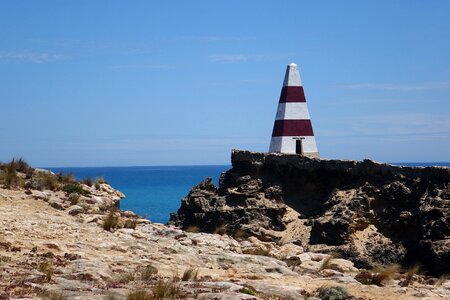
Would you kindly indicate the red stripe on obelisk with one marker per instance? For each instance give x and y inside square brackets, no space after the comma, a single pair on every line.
[292,128]
[292,94]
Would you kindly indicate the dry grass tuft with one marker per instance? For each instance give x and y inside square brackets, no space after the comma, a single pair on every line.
[166,289]
[190,274]
[443,278]
[66,178]
[148,273]
[47,180]
[326,263]
[222,229]
[87,181]
[385,274]
[193,229]
[110,296]
[53,296]
[130,223]
[47,269]
[139,295]
[415,269]
[111,221]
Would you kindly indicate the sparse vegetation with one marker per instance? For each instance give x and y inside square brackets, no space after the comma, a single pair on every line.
[190,274]
[165,289]
[111,221]
[333,293]
[139,295]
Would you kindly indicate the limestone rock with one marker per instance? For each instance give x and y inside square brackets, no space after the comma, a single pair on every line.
[368,212]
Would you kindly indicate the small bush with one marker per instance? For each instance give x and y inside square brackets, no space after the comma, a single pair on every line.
[47,180]
[130,223]
[73,198]
[190,274]
[74,188]
[248,291]
[111,221]
[139,295]
[9,177]
[165,289]
[148,273]
[333,293]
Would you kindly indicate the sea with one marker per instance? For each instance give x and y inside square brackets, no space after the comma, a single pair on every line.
[156,191]
[151,191]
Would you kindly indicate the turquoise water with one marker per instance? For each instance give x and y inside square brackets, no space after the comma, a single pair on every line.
[157,191]
[151,191]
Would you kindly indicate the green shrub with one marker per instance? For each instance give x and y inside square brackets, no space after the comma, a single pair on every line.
[74,188]
[333,293]
[248,291]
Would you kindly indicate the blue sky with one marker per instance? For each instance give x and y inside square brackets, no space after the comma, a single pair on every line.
[111,83]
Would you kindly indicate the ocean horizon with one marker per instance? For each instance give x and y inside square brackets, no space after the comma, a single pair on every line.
[157,191]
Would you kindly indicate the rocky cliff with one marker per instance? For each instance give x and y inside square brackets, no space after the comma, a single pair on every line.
[372,213]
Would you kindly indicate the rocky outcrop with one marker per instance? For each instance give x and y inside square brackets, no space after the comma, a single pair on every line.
[370,212]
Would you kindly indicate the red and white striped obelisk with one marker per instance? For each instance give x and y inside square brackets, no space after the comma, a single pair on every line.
[292,131]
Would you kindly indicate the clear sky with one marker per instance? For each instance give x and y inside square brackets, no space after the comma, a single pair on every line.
[113,83]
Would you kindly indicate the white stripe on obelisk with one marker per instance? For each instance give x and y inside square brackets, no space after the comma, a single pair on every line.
[292,111]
